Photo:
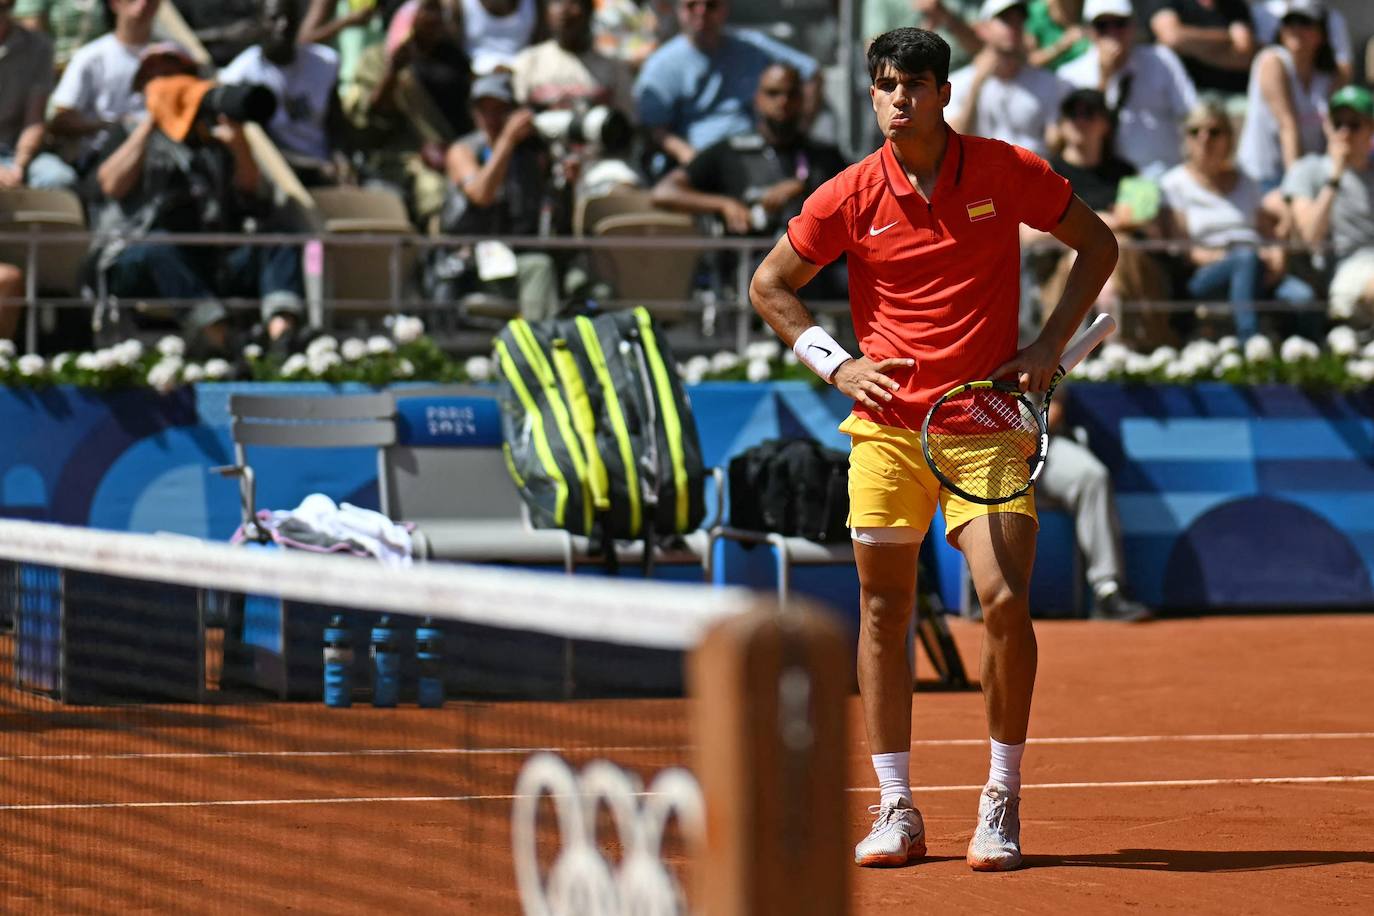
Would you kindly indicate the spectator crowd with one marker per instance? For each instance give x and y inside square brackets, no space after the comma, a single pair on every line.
[1234,130]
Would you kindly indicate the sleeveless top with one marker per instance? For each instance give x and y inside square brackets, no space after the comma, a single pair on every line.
[1259,154]
[493,41]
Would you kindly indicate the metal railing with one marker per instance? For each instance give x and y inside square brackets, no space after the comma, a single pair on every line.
[732,301]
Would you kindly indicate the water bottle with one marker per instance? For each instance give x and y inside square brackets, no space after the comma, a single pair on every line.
[429,657]
[386,664]
[338,664]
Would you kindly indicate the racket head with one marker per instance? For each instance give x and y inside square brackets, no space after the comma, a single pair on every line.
[985,441]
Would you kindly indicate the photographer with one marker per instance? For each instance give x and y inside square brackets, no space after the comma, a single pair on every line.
[187,168]
[498,185]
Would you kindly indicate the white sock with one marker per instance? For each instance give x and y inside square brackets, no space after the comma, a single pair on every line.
[1006,765]
[894,775]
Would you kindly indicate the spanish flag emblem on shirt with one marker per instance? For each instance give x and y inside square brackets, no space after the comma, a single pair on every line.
[982,209]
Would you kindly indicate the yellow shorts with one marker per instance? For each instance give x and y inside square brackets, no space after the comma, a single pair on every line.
[891,486]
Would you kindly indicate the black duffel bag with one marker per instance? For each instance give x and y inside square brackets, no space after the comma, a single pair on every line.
[795,487]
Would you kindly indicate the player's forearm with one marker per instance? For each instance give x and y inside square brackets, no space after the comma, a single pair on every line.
[778,304]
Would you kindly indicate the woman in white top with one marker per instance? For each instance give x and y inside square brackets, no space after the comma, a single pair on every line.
[1289,85]
[1221,211]
[497,30]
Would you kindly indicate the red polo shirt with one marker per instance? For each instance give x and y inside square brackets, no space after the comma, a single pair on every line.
[938,282]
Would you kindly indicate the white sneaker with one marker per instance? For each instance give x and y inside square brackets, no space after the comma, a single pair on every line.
[898,835]
[996,842]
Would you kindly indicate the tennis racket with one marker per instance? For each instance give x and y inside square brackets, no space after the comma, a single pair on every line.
[986,440]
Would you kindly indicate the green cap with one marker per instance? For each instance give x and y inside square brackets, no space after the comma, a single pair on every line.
[1356,98]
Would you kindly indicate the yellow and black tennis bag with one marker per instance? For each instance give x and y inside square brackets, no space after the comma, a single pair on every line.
[599,435]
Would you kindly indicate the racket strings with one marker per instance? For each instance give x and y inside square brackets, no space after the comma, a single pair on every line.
[985,443]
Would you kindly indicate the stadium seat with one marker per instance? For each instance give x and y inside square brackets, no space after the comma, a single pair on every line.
[592,210]
[45,210]
[454,486]
[648,275]
[359,279]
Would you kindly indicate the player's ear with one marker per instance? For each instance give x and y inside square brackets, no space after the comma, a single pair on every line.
[945,90]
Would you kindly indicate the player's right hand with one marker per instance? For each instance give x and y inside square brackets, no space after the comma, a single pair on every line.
[868,382]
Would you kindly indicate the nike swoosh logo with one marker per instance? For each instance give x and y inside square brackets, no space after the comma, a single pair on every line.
[824,350]
[875,230]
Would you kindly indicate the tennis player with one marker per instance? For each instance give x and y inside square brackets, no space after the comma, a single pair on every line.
[930,223]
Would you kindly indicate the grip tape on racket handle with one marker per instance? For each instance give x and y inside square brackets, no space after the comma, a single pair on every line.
[1097,332]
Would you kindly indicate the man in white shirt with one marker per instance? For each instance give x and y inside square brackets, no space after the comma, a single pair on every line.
[1145,85]
[565,71]
[304,79]
[1000,95]
[96,90]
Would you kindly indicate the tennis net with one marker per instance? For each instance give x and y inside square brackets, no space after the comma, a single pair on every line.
[187,725]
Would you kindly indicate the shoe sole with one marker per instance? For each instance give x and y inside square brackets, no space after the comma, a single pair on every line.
[978,864]
[916,851]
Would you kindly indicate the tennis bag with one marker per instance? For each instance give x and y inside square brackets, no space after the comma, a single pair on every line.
[795,487]
[599,437]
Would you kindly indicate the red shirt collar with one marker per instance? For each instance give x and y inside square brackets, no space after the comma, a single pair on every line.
[952,169]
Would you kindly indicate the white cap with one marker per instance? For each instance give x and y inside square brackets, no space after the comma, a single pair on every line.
[991,9]
[1094,9]
[1312,9]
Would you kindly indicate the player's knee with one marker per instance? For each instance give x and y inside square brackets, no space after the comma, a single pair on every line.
[1006,609]
[885,613]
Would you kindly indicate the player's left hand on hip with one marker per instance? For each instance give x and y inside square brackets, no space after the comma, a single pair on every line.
[1033,366]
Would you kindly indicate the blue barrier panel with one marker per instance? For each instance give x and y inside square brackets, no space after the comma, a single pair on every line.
[1239,497]
[1180,457]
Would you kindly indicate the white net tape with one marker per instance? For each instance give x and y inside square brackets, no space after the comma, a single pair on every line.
[650,614]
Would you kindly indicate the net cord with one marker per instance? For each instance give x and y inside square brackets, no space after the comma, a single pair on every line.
[629,612]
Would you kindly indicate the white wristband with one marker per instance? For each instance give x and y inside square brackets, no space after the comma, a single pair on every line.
[819,352]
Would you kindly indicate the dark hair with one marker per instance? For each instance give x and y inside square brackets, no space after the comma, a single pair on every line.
[1084,98]
[784,66]
[910,51]
[1326,54]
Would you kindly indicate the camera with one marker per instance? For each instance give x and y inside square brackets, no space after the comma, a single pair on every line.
[600,125]
[247,102]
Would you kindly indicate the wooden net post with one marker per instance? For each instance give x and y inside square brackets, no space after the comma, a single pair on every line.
[770,692]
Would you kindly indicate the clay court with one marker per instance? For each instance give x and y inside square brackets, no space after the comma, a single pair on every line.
[1217,765]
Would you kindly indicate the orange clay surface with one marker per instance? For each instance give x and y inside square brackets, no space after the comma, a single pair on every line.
[1144,788]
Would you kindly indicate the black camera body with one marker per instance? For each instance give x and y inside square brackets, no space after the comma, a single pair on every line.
[242,103]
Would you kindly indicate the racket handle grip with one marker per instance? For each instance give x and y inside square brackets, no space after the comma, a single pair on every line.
[1097,332]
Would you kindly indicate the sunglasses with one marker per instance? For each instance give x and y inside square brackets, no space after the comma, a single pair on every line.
[708,5]
[1106,24]
[1208,132]
[1350,124]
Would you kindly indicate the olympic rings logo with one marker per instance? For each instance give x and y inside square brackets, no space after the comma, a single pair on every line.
[581,882]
